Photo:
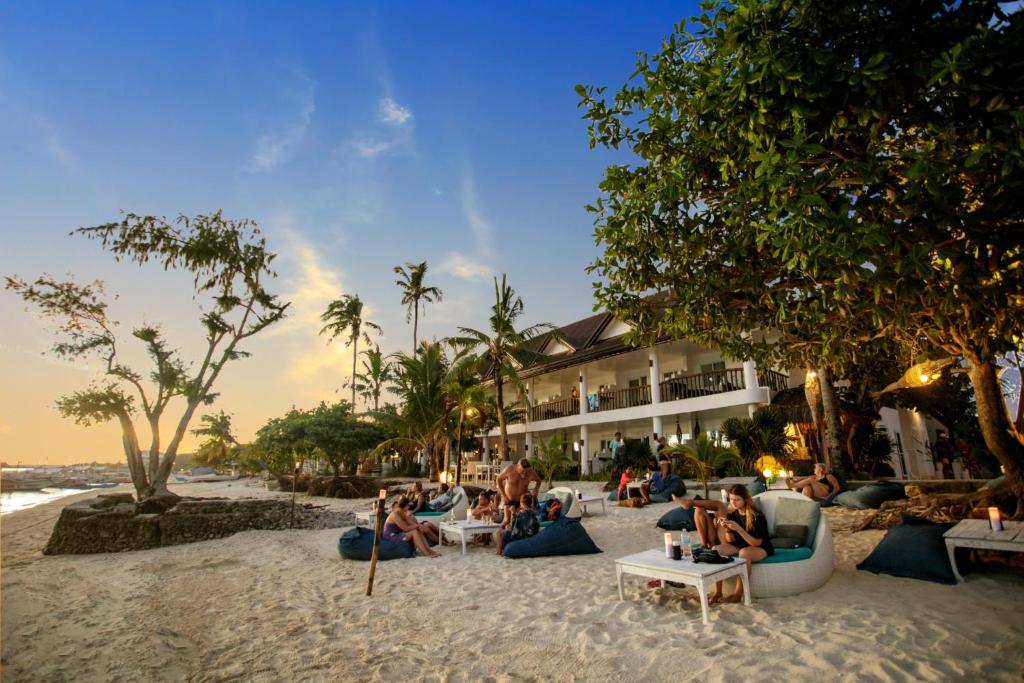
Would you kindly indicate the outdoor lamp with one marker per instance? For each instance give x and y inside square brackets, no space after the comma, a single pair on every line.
[926,372]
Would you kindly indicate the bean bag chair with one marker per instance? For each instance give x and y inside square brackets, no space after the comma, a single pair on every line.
[915,550]
[673,485]
[570,505]
[677,520]
[565,536]
[357,544]
[797,570]
[871,496]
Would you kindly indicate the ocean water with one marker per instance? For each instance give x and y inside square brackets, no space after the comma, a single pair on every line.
[21,500]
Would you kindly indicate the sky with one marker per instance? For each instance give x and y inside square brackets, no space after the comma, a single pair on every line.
[359,136]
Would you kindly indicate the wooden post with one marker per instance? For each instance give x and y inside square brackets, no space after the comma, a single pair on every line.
[377,529]
[295,478]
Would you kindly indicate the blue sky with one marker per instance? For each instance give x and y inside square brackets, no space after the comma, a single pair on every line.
[360,136]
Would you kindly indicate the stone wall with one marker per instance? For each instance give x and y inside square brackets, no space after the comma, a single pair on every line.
[115,523]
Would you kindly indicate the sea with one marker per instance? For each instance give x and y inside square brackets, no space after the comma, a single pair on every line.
[21,500]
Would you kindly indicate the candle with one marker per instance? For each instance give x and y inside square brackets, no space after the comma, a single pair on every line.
[668,545]
[994,519]
[725,496]
[383,494]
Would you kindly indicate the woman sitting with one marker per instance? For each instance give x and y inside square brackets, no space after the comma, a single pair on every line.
[401,526]
[818,486]
[627,476]
[417,499]
[526,523]
[485,511]
[737,529]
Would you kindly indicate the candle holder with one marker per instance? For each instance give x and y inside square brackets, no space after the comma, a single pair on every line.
[995,519]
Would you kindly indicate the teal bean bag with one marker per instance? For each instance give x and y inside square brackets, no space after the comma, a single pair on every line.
[915,550]
[871,496]
[677,520]
[357,544]
[565,536]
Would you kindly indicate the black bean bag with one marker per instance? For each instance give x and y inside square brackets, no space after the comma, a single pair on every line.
[677,519]
[357,544]
[565,536]
[871,495]
[915,550]
[673,485]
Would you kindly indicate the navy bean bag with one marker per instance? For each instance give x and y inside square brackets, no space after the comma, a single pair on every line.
[915,550]
[565,536]
[673,485]
[357,544]
[871,495]
[677,520]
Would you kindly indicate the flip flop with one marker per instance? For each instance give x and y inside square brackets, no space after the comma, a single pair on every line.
[656,583]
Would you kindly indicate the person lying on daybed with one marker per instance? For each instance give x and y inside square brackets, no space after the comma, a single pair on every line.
[738,529]
[442,501]
[818,486]
[401,526]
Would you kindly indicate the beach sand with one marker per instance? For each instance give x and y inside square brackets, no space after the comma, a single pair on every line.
[282,605]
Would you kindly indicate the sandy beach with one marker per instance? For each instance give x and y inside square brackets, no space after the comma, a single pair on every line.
[282,605]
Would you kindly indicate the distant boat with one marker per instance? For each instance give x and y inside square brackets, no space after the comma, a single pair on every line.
[104,485]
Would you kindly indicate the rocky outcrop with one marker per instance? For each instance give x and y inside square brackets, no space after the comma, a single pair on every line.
[115,523]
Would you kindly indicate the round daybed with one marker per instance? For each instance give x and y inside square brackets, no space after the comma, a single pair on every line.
[796,570]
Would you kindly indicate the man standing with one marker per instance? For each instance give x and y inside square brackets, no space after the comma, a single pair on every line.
[614,445]
[515,480]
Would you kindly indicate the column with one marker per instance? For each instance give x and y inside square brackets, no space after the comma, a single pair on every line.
[655,380]
[529,445]
[529,401]
[657,429]
[750,374]
[583,390]
[584,450]
[487,451]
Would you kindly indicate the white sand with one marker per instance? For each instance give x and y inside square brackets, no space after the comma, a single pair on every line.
[282,605]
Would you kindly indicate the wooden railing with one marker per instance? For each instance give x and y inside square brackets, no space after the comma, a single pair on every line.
[703,384]
[773,379]
[622,398]
[563,407]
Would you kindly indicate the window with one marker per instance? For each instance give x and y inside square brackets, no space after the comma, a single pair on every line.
[712,367]
[638,382]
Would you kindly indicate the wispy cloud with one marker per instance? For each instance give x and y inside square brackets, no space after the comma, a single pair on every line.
[397,121]
[393,113]
[276,146]
[54,146]
[465,267]
[459,264]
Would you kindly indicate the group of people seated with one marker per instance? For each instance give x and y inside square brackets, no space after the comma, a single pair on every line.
[656,481]
[437,500]
[519,519]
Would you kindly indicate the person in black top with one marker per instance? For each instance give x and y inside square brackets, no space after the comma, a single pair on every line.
[737,529]
[818,486]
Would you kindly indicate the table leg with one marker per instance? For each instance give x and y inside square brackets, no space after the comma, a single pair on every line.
[950,550]
[702,589]
[463,537]
[747,599]
[603,510]
[618,575]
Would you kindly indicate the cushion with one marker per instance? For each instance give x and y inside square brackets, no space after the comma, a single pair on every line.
[915,550]
[357,544]
[788,555]
[677,519]
[565,536]
[673,485]
[871,496]
[798,512]
[563,496]
[788,542]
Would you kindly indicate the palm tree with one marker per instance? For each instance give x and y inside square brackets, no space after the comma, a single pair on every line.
[346,315]
[377,372]
[704,457]
[413,292]
[554,456]
[468,401]
[217,429]
[503,349]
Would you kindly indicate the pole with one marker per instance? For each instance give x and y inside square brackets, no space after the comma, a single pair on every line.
[377,529]
[295,478]
[458,455]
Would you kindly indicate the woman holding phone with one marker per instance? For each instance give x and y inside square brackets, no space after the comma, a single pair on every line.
[737,529]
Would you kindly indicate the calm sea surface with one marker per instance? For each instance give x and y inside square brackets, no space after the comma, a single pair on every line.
[20,500]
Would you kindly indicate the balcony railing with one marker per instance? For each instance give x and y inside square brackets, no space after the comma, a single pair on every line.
[774,380]
[704,384]
[563,407]
[621,398]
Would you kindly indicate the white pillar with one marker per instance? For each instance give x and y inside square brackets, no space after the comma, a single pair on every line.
[657,428]
[584,450]
[487,451]
[655,380]
[530,401]
[529,445]
[583,390]
[750,374]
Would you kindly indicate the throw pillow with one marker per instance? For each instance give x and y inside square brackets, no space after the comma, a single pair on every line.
[798,511]
[789,535]
[677,519]
[871,496]
[915,550]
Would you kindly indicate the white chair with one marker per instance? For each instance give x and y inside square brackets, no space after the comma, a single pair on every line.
[800,576]
[573,510]
[458,510]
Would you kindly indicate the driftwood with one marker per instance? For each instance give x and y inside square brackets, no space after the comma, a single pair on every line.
[943,508]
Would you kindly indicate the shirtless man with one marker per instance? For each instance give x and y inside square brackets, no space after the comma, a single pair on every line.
[818,486]
[515,480]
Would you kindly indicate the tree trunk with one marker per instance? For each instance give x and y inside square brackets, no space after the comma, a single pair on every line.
[458,448]
[812,392]
[415,326]
[830,411]
[154,446]
[1000,436]
[502,427]
[136,467]
[355,355]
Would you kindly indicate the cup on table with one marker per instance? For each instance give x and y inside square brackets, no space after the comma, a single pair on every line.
[677,551]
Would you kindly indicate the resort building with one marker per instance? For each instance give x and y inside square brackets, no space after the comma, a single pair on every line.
[592,385]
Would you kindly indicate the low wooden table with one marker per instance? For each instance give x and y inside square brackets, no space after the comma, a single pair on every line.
[464,527]
[976,533]
[653,564]
[583,500]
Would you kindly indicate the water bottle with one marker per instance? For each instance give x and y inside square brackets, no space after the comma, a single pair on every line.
[687,548]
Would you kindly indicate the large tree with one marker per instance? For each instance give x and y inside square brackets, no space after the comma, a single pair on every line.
[831,173]
[415,293]
[345,316]
[502,350]
[229,264]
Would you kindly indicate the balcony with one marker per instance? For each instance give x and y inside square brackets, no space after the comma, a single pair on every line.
[563,407]
[774,380]
[704,384]
[614,399]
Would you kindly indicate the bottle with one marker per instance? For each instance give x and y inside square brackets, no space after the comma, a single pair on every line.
[687,548]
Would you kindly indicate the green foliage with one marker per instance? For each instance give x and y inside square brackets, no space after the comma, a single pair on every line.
[414,292]
[229,264]
[344,316]
[704,457]
[635,453]
[875,451]
[554,455]
[377,373]
[763,433]
[220,447]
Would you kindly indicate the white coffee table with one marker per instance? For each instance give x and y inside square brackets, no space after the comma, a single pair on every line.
[583,500]
[466,527]
[653,564]
[976,533]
